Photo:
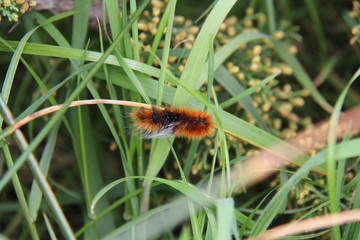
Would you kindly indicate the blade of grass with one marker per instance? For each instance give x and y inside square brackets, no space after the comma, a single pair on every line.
[194,222]
[133,78]
[331,153]
[313,10]
[270,12]
[26,211]
[80,22]
[35,193]
[135,32]
[113,11]
[165,21]
[225,217]
[50,228]
[165,54]
[127,39]
[72,53]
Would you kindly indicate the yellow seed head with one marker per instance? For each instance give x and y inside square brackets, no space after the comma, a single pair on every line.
[179,19]
[6,3]
[188,45]
[256,59]
[231,21]
[20,2]
[231,31]
[147,48]
[32,3]
[188,23]
[15,15]
[155,20]
[217,88]
[113,147]
[355,30]
[279,35]
[240,76]
[286,69]
[234,69]
[266,117]
[287,88]
[146,13]
[258,99]
[172,59]
[266,106]
[142,36]
[181,68]
[298,102]
[157,4]
[285,109]
[242,46]
[277,123]
[223,27]
[248,23]
[249,11]
[305,92]
[142,26]
[267,62]
[156,11]
[24,8]
[194,30]
[257,50]
[191,38]
[254,67]
[293,49]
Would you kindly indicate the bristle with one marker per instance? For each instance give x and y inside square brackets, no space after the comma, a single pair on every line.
[181,122]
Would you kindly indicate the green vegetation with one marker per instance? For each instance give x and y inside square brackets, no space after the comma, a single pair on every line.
[267,71]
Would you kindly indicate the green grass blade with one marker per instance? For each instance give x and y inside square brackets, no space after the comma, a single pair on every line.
[80,22]
[225,218]
[271,16]
[194,222]
[165,55]
[35,193]
[331,153]
[73,53]
[165,21]
[50,228]
[313,9]
[26,210]
[133,78]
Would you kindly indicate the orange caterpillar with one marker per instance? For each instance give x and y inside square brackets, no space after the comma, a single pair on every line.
[181,122]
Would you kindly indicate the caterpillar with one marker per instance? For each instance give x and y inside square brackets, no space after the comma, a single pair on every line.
[180,122]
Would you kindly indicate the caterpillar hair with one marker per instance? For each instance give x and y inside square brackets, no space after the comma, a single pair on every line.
[181,122]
